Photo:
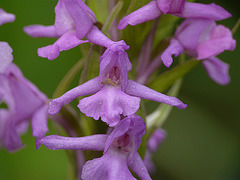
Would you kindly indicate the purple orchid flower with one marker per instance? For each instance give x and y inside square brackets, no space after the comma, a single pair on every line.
[73,21]
[152,145]
[202,39]
[179,8]
[6,17]
[120,151]
[114,95]
[22,100]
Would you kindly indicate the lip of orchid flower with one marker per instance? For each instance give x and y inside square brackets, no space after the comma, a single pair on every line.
[6,17]
[120,146]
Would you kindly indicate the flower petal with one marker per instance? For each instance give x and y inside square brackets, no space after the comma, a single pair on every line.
[115,56]
[174,48]
[96,36]
[190,31]
[109,103]
[40,31]
[39,124]
[82,16]
[217,70]
[135,128]
[139,90]
[156,139]
[94,142]
[143,14]
[139,168]
[6,56]
[89,87]
[110,166]
[204,11]
[6,17]
[173,6]
[63,21]
[65,42]
[220,40]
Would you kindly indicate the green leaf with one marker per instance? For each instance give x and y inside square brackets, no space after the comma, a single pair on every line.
[100,9]
[68,78]
[112,16]
[166,79]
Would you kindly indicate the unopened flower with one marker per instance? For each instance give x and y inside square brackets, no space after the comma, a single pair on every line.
[179,8]
[114,94]
[74,21]
[120,151]
[202,39]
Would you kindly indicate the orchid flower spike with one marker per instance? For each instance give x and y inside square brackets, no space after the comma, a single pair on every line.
[179,8]
[114,94]
[119,151]
[203,39]
[73,21]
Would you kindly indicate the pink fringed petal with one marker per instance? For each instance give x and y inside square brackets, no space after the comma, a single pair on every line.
[109,103]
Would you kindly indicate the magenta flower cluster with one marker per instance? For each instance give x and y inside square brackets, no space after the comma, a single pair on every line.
[114,97]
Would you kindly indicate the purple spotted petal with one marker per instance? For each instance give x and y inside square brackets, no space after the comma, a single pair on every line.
[96,36]
[109,103]
[111,166]
[138,167]
[174,48]
[89,87]
[217,70]
[204,11]
[6,17]
[94,142]
[143,14]
[65,42]
[220,39]
[139,90]
[40,31]
[171,6]
[82,16]
[5,56]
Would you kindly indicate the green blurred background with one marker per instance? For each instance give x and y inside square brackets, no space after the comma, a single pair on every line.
[202,142]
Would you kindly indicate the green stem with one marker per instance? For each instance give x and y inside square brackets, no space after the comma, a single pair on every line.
[117,8]
[161,114]
[67,79]
[236,26]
